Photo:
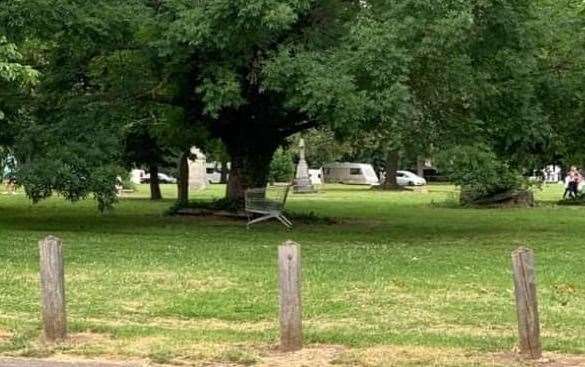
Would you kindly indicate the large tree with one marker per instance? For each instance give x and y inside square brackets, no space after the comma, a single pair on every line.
[109,64]
[233,52]
[561,76]
[70,141]
[409,58]
[441,74]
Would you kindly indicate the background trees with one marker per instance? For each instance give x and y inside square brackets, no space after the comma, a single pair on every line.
[401,77]
[16,80]
[560,74]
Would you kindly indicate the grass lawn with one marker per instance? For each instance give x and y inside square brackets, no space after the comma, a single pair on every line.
[402,279]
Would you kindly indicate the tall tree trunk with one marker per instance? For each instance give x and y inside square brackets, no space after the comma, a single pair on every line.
[392,165]
[183,180]
[420,166]
[224,171]
[251,134]
[155,193]
[249,169]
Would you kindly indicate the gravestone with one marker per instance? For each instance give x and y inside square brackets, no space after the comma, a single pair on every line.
[198,170]
[302,182]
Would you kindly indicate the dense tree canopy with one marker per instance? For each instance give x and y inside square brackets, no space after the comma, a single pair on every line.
[15,81]
[396,75]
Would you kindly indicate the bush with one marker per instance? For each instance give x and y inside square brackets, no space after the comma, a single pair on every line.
[127,183]
[479,173]
[282,168]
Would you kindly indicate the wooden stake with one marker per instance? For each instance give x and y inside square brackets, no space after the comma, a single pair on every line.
[289,265]
[526,302]
[53,289]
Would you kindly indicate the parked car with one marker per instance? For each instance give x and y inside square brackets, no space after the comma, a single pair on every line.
[350,174]
[407,178]
[162,178]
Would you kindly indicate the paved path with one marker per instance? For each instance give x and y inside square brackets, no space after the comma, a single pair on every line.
[9,362]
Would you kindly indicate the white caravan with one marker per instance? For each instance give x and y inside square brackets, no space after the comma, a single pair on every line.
[350,174]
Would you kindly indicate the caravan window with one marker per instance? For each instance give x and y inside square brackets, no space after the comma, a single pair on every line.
[355,171]
[210,171]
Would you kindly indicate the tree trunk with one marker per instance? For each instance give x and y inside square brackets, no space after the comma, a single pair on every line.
[183,180]
[249,169]
[155,193]
[392,163]
[420,166]
[251,134]
[224,171]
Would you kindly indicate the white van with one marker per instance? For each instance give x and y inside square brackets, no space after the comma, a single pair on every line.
[350,174]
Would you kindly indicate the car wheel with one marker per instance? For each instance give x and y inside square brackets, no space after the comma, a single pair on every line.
[410,183]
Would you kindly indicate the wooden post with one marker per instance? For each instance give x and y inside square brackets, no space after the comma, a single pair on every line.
[289,270]
[526,302]
[53,289]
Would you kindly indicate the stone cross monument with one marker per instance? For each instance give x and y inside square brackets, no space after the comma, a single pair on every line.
[302,182]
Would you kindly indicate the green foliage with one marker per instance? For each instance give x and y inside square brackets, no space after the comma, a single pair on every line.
[220,89]
[16,80]
[127,183]
[408,75]
[323,147]
[11,71]
[479,172]
[282,168]
[176,72]
[561,75]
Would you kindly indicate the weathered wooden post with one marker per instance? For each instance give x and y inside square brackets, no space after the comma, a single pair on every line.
[526,302]
[53,289]
[289,270]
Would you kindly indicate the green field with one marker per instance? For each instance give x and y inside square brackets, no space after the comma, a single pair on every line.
[401,278]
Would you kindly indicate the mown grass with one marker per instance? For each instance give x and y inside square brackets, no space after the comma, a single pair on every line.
[405,269]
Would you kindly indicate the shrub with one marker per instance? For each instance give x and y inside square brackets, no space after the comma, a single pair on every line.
[479,172]
[282,168]
[127,183]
